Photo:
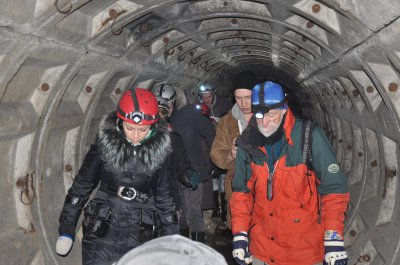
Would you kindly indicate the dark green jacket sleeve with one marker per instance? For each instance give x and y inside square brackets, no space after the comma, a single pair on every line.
[242,172]
[332,178]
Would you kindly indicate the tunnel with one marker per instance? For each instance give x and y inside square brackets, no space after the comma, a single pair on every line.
[65,63]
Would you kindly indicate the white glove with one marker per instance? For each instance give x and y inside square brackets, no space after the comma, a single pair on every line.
[64,244]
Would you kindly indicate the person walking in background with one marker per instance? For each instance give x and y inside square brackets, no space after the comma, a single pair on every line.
[218,106]
[128,161]
[193,127]
[284,211]
[182,174]
[168,93]
[223,151]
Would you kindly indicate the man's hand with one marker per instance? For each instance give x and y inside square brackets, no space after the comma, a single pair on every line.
[232,154]
[64,244]
[193,178]
[335,253]
[241,249]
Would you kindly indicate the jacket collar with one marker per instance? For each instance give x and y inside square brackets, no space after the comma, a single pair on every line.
[116,150]
[288,125]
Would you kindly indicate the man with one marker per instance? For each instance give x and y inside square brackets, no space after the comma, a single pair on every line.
[187,176]
[287,212]
[169,94]
[218,106]
[193,126]
[181,171]
[223,151]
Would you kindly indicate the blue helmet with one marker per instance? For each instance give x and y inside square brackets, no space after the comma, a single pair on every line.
[266,96]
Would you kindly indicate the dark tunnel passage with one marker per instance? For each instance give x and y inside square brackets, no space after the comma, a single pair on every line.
[65,63]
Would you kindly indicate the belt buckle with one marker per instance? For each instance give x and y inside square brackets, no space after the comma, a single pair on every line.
[126,193]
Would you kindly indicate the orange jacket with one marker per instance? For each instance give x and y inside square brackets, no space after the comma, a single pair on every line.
[289,229]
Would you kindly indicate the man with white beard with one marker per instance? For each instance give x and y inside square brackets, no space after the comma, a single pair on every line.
[287,207]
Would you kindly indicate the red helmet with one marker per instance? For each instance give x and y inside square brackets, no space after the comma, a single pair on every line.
[138,106]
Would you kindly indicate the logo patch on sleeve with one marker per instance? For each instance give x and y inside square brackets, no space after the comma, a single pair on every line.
[333,168]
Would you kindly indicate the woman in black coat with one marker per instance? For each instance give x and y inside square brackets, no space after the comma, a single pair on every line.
[129,163]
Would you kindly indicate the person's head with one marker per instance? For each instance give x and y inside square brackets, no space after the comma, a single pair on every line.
[137,111]
[206,92]
[242,89]
[269,106]
[172,250]
[168,93]
[163,107]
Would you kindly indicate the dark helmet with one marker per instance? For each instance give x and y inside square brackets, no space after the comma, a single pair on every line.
[138,106]
[165,91]
[266,96]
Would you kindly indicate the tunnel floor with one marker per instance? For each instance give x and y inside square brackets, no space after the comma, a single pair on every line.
[219,237]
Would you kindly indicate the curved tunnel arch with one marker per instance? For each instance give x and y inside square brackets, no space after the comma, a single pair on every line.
[63,71]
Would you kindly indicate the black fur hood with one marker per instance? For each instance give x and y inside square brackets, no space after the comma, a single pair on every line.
[116,150]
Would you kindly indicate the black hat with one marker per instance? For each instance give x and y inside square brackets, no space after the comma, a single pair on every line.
[245,79]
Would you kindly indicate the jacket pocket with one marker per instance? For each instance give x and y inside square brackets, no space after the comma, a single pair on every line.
[97,219]
[149,225]
[298,189]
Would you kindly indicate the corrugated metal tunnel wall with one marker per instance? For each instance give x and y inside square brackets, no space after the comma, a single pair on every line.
[64,65]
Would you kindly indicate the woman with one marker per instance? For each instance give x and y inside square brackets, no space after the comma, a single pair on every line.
[129,161]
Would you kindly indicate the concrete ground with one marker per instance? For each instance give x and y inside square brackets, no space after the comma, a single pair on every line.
[218,237]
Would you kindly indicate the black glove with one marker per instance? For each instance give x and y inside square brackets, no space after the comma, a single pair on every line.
[193,178]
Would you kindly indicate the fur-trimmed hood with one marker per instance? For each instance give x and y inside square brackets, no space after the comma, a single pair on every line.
[117,151]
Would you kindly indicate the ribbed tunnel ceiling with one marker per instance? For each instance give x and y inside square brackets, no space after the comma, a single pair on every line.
[64,65]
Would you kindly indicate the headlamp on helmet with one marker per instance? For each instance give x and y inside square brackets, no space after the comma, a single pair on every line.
[203,108]
[205,87]
[267,96]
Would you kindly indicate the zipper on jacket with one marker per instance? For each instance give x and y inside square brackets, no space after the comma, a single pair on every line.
[270,182]
[308,175]
[319,208]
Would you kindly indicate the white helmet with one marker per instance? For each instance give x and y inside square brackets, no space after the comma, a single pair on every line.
[162,103]
[165,91]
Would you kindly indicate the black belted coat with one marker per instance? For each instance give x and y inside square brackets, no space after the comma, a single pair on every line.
[112,225]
